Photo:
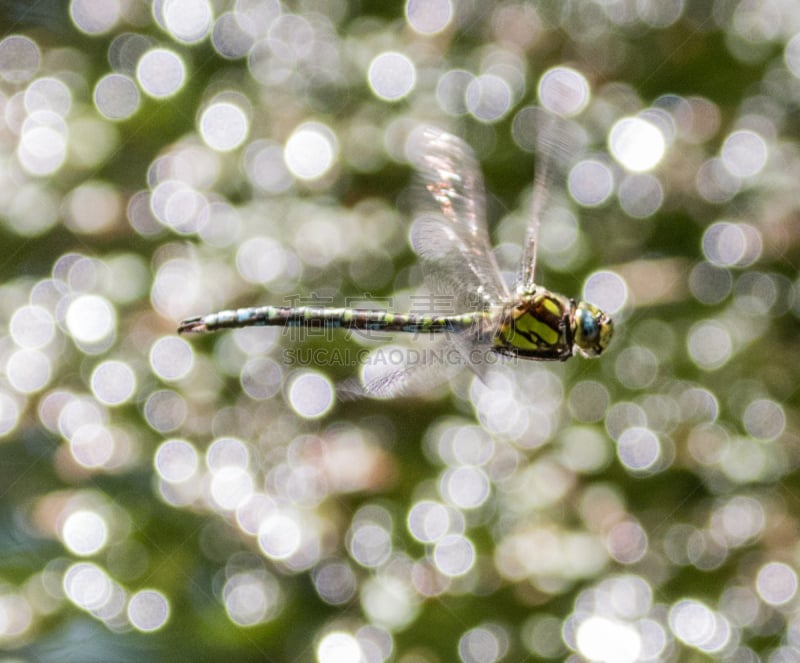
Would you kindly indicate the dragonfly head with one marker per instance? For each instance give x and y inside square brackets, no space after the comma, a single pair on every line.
[593,329]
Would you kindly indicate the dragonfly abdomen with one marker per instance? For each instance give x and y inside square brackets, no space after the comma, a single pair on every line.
[347,318]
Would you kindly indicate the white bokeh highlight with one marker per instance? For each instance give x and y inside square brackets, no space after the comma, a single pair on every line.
[161,73]
[636,144]
[310,151]
[391,76]
[223,126]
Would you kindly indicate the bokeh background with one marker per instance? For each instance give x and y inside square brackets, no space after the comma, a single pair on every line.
[210,498]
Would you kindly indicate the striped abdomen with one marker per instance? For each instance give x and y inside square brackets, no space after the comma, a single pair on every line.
[347,318]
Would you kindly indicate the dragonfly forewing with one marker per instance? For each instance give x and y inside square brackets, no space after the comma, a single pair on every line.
[456,253]
[550,142]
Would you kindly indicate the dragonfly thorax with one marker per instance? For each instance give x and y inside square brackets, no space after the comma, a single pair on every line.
[545,325]
[537,325]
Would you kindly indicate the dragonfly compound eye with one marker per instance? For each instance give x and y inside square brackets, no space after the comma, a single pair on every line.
[593,329]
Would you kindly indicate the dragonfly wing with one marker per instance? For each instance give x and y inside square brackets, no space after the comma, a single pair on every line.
[420,372]
[443,255]
[477,356]
[527,264]
[554,138]
[453,244]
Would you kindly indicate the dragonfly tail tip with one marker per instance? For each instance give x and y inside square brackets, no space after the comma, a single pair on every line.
[192,325]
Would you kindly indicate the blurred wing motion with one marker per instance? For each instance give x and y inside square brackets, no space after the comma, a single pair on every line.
[547,145]
[453,242]
[410,378]
[450,236]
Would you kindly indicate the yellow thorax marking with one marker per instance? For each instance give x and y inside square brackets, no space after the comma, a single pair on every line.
[527,324]
[533,325]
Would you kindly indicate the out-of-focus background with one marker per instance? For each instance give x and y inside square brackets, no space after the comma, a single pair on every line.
[210,498]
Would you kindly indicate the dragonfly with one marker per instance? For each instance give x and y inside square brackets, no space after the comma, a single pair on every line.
[452,242]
